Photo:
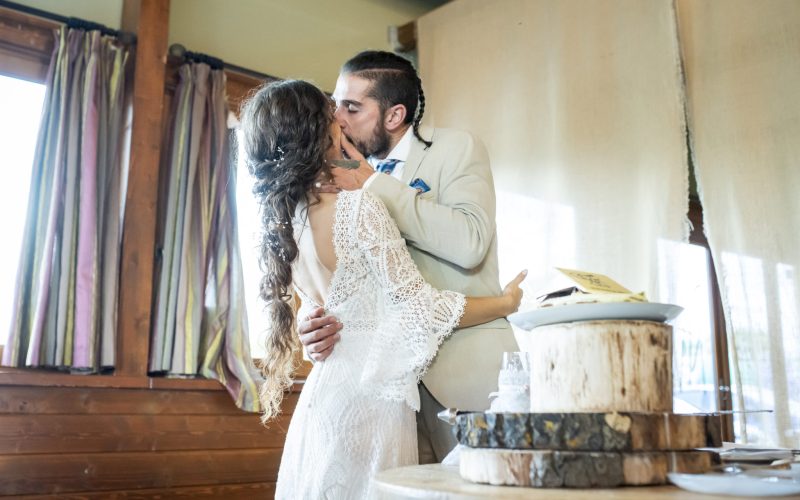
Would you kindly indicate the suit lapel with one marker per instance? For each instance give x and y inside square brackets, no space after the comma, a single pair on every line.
[416,155]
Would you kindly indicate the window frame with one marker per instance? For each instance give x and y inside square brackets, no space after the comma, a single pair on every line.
[723,374]
[26,47]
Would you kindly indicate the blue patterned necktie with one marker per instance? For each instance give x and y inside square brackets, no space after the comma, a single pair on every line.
[386,166]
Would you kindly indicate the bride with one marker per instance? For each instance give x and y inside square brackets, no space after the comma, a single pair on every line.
[355,415]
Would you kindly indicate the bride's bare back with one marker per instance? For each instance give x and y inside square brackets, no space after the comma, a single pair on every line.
[316,263]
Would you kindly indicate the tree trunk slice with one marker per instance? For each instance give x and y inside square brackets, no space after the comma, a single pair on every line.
[577,469]
[588,431]
[601,366]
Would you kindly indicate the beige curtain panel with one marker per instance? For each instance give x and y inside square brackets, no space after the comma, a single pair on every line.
[742,75]
[579,103]
[582,105]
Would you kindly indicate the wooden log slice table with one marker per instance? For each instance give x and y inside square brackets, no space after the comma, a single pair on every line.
[437,481]
[588,431]
[578,469]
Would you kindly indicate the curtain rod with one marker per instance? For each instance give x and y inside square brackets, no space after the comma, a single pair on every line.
[72,22]
[130,38]
[179,51]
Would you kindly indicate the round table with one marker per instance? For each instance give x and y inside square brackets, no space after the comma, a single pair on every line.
[443,482]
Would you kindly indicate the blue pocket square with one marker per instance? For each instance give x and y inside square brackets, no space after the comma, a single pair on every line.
[420,186]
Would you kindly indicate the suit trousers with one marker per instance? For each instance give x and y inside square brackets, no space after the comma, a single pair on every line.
[435,438]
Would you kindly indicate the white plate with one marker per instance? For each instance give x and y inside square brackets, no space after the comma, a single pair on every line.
[742,485]
[650,311]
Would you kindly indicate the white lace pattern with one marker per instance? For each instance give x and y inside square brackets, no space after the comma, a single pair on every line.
[355,415]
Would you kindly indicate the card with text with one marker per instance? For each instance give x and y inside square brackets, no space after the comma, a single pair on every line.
[594,282]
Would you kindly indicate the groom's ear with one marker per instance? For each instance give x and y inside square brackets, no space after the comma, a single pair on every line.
[395,117]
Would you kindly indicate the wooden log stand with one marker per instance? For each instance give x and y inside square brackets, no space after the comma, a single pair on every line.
[578,469]
[588,431]
[601,366]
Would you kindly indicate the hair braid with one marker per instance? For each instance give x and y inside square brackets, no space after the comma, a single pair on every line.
[420,112]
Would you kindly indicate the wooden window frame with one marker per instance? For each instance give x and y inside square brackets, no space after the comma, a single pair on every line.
[26,46]
[721,363]
[239,87]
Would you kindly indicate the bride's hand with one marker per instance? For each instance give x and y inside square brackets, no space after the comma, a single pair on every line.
[352,178]
[513,293]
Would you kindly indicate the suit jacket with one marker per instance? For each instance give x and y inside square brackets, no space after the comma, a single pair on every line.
[452,237]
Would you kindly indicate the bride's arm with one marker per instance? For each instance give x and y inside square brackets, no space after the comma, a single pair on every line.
[480,310]
[401,279]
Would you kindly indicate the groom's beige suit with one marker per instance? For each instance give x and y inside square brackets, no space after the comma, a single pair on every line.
[452,237]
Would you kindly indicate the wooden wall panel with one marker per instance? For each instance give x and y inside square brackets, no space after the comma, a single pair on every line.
[128,433]
[227,492]
[135,443]
[68,472]
[85,400]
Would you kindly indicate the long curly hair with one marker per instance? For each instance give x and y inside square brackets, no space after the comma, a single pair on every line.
[286,135]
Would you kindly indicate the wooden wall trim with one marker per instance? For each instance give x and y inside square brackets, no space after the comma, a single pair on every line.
[21,434]
[33,377]
[37,401]
[39,378]
[239,87]
[403,38]
[139,233]
[244,491]
[26,45]
[74,472]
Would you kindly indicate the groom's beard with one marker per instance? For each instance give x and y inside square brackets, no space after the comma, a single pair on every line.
[376,145]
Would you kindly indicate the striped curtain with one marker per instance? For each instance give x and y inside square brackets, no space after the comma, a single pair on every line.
[66,293]
[200,322]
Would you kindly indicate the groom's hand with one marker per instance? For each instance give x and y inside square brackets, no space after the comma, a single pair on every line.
[352,178]
[319,333]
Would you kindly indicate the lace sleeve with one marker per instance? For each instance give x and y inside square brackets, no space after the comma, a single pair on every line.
[417,317]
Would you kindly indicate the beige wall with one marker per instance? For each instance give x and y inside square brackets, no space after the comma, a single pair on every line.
[306,39]
[106,12]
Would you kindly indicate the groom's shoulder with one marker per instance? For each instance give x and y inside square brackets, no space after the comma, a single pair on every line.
[449,137]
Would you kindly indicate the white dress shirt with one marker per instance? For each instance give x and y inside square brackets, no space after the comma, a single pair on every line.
[399,152]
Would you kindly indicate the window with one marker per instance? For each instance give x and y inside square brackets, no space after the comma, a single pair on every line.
[21,102]
[249,242]
[684,281]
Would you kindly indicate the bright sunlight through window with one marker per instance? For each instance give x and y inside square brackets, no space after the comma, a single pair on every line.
[21,105]
[249,235]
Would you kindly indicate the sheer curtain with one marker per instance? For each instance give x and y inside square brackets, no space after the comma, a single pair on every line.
[742,76]
[66,293]
[200,322]
[580,105]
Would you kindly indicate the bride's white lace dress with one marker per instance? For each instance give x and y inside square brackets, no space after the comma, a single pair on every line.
[355,415]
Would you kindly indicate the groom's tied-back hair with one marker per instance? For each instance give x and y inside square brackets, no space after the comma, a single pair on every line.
[393,81]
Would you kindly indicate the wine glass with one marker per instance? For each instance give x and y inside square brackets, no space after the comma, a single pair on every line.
[515,370]
[513,393]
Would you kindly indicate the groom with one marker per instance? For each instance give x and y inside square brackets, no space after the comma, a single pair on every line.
[438,187]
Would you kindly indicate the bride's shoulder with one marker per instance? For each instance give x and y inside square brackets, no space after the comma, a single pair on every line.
[356,198]
[360,202]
